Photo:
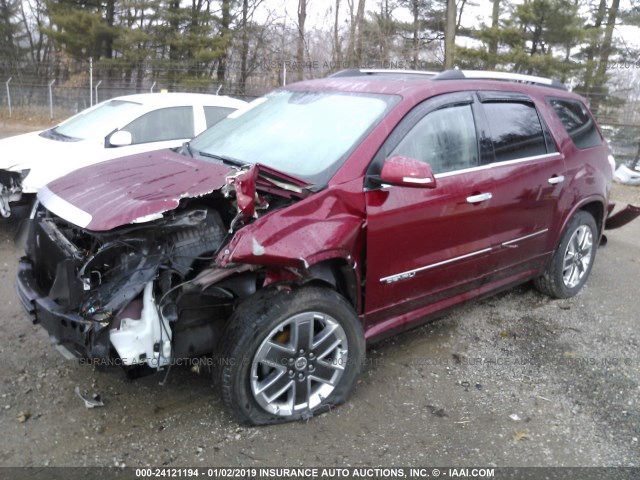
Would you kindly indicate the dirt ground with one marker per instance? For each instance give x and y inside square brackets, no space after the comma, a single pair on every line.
[513,380]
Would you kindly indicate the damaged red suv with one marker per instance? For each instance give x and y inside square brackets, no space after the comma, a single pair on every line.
[327,214]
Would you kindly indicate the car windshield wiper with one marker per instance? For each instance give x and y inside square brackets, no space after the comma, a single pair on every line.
[222,158]
[52,134]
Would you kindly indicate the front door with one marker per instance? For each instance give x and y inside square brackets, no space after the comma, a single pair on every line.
[426,244]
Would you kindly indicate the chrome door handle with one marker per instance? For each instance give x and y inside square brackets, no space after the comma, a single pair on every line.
[556,180]
[479,198]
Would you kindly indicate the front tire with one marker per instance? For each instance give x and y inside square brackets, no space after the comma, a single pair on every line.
[288,355]
[573,260]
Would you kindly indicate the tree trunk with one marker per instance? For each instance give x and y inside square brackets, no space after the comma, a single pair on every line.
[415,41]
[354,50]
[493,44]
[302,18]
[359,21]
[225,23]
[337,50]
[174,47]
[244,48]
[600,76]
[591,51]
[450,35]
[110,16]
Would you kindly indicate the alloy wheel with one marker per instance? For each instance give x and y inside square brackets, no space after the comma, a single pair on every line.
[299,363]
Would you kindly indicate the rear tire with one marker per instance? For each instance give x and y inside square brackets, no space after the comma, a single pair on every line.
[289,355]
[573,260]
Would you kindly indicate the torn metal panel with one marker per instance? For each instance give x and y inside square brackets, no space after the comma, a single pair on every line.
[622,217]
[211,276]
[245,188]
[323,226]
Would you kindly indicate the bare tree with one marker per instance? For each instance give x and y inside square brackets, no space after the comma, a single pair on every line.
[450,35]
[337,47]
[225,33]
[354,49]
[302,18]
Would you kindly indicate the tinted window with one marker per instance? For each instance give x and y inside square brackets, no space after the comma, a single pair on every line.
[578,123]
[214,114]
[446,139]
[515,130]
[172,123]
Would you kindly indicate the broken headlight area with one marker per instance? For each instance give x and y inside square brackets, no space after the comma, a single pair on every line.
[10,189]
[128,293]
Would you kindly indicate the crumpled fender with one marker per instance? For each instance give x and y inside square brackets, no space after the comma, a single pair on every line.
[323,226]
[245,187]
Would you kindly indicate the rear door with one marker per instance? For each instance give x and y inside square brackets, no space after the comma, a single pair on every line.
[528,178]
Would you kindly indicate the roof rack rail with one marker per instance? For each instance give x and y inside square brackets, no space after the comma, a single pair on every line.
[357,72]
[489,75]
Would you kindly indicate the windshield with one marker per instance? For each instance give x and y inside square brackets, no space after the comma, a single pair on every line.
[304,134]
[89,122]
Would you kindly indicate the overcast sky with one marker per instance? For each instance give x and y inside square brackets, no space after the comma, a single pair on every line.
[475,12]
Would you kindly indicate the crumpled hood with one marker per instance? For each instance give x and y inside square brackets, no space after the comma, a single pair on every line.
[131,189]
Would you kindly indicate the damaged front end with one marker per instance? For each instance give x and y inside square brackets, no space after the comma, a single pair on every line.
[117,295]
[146,294]
[10,189]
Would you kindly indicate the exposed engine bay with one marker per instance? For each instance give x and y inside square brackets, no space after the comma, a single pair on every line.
[142,294]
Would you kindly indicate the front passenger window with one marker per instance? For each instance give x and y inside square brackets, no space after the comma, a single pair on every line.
[445,138]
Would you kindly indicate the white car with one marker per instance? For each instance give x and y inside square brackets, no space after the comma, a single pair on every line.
[114,128]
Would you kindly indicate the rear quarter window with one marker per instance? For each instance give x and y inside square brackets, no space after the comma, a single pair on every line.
[214,114]
[577,122]
[515,130]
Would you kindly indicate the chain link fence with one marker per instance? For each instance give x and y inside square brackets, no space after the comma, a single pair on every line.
[61,89]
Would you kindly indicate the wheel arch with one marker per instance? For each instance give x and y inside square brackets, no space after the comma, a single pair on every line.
[596,209]
[595,206]
[341,275]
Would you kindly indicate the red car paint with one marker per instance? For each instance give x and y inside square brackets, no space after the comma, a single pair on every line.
[117,192]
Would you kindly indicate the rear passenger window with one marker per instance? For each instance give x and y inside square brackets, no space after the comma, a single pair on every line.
[445,138]
[214,114]
[577,121]
[515,130]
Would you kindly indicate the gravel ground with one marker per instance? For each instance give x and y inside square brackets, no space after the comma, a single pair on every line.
[513,380]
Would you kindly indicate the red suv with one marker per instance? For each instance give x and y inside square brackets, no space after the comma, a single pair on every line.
[326,215]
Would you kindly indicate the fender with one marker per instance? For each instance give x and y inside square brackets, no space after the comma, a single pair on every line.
[325,225]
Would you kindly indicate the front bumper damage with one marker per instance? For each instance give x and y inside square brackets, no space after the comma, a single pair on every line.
[68,331]
[96,296]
